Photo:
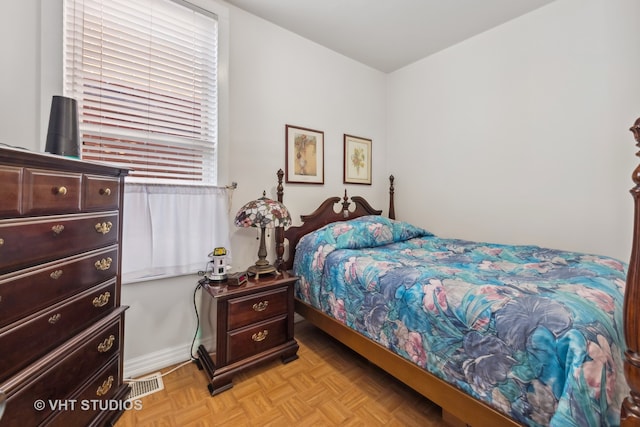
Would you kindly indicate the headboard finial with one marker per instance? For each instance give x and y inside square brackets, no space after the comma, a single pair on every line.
[636,134]
[280,189]
[392,209]
[345,205]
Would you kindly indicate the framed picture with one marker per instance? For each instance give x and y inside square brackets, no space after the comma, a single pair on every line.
[357,160]
[304,161]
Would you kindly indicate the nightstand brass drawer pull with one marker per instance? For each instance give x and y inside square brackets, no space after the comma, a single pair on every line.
[105,387]
[1,242]
[105,191]
[102,300]
[60,190]
[103,264]
[57,229]
[55,275]
[54,319]
[260,306]
[260,336]
[106,345]
[104,227]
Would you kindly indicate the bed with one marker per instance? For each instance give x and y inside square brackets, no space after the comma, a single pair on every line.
[494,334]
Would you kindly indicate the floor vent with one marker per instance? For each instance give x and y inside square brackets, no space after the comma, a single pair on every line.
[145,386]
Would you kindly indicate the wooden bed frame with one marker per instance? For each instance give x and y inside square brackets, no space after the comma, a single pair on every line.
[464,408]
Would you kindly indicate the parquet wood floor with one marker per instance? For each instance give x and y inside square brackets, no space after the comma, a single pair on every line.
[329,385]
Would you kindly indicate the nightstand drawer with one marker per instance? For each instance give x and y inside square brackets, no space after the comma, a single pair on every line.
[257,307]
[26,342]
[252,340]
[28,291]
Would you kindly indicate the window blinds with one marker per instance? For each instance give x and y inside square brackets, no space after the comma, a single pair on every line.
[144,73]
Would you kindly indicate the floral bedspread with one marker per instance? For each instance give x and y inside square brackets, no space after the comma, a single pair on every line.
[536,333]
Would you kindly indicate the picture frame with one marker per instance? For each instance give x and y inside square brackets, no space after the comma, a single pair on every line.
[304,162]
[357,160]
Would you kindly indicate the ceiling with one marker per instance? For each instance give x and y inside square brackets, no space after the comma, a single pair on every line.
[388,34]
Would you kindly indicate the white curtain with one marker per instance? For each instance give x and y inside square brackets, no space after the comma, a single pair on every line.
[170,230]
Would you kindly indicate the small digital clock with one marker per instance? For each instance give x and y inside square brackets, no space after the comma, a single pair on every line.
[237,279]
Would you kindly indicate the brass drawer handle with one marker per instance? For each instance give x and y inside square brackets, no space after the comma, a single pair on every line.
[106,345]
[103,264]
[260,306]
[55,275]
[54,319]
[104,227]
[57,229]
[105,387]
[260,336]
[60,190]
[1,242]
[105,191]
[102,300]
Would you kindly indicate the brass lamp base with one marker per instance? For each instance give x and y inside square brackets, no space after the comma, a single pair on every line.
[262,269]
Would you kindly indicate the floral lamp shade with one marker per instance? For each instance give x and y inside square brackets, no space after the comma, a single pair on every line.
[262,213]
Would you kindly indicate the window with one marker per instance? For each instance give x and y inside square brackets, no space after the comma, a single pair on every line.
[144,73]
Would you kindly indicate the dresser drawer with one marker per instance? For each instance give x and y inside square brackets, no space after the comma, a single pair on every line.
[28,291]
[80,358]
[101,193]
[50,192]
[10,191]
[94,398]
[31,241]
[20,411]
[256,338]
[23,343]
[254,308]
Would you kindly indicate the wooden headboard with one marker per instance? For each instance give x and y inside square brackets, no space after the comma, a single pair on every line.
[323,215]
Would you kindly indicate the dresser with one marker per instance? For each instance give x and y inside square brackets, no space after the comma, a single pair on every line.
[61,323]
[254,324]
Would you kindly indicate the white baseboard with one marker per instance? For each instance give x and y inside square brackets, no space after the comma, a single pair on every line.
[164,358]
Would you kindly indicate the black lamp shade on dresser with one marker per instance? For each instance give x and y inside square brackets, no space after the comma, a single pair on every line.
[63,136]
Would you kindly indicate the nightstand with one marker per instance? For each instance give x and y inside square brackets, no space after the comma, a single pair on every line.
[254,324]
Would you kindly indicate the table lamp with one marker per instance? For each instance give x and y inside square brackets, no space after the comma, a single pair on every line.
[263,213]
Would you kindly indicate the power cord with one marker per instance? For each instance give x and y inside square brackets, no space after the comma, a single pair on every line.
[202,282]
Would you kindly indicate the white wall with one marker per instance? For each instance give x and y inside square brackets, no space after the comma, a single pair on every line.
[519,135]
[278,78]
[20,74]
